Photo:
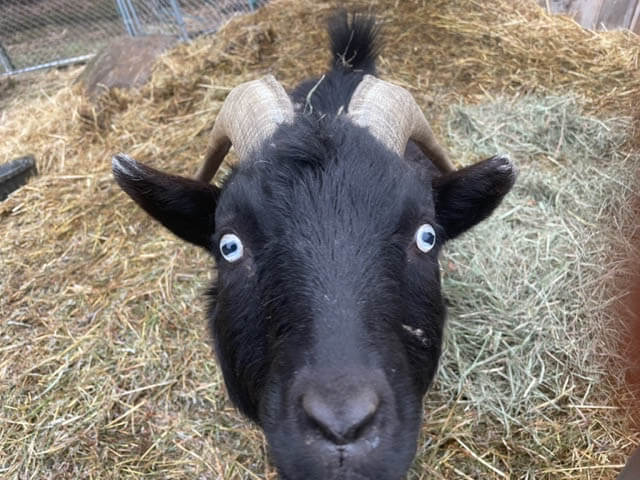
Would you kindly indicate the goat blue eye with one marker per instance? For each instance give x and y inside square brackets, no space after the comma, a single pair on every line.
[425,238]
[231,247]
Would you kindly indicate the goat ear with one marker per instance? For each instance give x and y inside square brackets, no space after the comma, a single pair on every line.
[467,196]
[184,206]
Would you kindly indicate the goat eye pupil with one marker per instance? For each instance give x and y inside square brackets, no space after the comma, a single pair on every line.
[229,248]
[428,237]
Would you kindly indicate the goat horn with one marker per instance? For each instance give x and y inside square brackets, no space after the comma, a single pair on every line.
[394,117]
[249,115]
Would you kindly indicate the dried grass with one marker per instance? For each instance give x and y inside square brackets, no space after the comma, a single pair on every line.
[529,342]
[105,371]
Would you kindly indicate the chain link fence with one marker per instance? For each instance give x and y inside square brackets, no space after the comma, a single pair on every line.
[38,34]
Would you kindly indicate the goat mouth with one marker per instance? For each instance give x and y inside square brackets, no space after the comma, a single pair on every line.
[337,475]
[343,463]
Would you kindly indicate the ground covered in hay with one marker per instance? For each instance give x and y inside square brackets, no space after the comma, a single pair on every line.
[105,367]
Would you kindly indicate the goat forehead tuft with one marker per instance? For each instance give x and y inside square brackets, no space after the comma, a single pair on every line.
[322,179]
[365,196]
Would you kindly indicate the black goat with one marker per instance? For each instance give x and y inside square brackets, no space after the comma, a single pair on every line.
[326,313]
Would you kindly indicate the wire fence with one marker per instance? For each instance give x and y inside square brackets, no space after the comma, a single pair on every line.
[37,34]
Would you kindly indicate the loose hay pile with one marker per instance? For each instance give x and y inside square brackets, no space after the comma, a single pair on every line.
[104,366]
[531,311]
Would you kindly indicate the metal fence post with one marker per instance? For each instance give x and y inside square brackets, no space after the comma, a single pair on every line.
[5,60]
[126,20]
[177,13]
[76,29]
[134,17]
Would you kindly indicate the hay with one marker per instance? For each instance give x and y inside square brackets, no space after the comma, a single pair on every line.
[104,367]
[530,317]
[539,129]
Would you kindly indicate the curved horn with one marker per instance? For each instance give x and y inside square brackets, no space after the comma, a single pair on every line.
[394,117]
[249,115]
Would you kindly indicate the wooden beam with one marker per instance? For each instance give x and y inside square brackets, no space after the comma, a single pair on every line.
[590,12]
[585,12]
[617,14]
[635,21]
[598,14]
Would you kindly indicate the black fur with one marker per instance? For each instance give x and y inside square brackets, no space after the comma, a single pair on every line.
[332,304]
[354,50]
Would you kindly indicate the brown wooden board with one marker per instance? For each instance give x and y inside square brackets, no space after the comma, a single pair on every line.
[617,13]
[635,21]
[599,14]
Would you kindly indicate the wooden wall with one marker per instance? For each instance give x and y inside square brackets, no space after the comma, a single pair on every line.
[599,14]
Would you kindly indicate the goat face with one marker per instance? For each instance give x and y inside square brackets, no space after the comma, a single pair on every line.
[327,313]
[331,321]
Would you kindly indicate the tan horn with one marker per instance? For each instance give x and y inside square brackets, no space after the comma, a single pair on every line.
[394,117]
[249,115]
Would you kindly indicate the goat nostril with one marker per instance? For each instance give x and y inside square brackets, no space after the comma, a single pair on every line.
[341,420]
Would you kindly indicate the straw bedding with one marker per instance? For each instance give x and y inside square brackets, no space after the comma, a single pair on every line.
[105,367]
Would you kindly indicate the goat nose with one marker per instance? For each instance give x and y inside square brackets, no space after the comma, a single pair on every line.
[341,420]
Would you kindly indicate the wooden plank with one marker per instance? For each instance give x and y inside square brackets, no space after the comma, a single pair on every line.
[585,12]
[590,13]
[599,14]
[635,21]
[562,6]
[616,14]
